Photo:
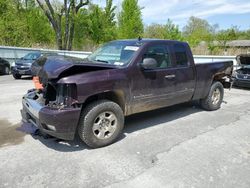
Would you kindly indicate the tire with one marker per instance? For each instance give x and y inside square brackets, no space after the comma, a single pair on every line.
[214,98]
[6,70]
[17,76]
[101,123]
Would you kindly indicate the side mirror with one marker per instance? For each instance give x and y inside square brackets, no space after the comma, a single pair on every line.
[149,63]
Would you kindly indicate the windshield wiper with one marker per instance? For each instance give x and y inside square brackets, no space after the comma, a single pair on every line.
[103,61]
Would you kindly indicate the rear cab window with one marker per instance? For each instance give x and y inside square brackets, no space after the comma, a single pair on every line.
[181,55]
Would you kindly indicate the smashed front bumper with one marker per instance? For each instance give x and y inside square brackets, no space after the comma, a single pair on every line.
[60,123]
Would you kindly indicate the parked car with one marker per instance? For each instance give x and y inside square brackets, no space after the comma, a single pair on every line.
[23,66]
[92,96]
[4,66]
[242,74]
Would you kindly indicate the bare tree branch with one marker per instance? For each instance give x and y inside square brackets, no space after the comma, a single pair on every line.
[81,4]
[64,37]
[50,8]
[47,13]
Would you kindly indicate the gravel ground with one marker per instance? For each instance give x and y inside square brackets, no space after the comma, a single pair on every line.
[180,146]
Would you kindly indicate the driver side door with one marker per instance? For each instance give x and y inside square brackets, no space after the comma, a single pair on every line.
[154,88]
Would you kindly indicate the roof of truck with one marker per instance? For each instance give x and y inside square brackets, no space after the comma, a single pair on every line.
[147,40]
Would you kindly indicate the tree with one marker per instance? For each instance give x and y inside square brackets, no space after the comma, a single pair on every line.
[168,31]
[13,28]
[155,31]
[172,31]
[130,20]
[102,23]
[29,4]
[38,27]
[197,30]
[102,27]
[227,35]
[110,28]
[64,30]
[96,24]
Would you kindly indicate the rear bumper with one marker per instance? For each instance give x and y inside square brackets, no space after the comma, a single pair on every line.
[241,83]
[60,123]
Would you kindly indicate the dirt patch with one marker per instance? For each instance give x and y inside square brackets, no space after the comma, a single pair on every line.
[9,135]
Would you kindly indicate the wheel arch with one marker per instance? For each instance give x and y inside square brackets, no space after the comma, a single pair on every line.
[115,96]
[223,78]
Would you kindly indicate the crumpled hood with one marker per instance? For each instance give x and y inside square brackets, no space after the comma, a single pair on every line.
[55,67]
[243,59]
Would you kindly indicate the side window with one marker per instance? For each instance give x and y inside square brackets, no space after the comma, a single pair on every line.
[180,55]
[161,54]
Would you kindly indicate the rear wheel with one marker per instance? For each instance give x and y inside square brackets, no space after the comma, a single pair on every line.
[101,123]
[214,98]
[17,76]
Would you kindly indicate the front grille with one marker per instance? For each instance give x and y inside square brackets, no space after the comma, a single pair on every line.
[23,68]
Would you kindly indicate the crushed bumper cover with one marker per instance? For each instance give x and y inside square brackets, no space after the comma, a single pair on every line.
[60,123]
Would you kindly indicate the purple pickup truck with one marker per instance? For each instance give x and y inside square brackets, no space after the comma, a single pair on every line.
[91,97]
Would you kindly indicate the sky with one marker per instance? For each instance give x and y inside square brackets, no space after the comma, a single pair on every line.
[226,13]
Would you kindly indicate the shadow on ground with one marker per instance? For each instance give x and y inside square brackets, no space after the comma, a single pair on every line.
[26,78]
[242,88]
[9,135]
[153,118]
[132,123]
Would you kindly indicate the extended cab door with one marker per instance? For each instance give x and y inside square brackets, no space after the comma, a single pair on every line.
[154,88]
[184,72]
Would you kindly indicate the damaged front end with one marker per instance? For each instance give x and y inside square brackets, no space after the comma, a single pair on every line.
[53,112]
[55,109]
[61,96]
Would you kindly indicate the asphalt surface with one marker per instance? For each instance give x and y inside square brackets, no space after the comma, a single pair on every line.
[180,146]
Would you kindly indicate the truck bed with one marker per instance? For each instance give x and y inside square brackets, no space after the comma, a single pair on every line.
[205,74]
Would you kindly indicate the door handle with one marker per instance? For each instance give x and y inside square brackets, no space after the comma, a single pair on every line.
[170,76]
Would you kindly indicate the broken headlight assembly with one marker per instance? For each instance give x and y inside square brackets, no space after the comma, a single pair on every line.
[65,96]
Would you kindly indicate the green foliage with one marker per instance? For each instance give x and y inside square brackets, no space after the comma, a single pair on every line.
[227,35]
[172,31]
[39,28]
[168,31]
[12,27]
[197,30]
[102,27]
[23,23]
[155,31]
[81,37]
[130,20]
[20,26]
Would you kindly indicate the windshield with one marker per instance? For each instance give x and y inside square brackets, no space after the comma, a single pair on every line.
[31,56]
[115,53]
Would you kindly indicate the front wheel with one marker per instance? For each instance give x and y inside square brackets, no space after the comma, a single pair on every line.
[214,98]
[17,76]
[101,123]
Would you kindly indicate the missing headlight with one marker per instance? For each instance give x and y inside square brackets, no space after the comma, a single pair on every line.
[66,95]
